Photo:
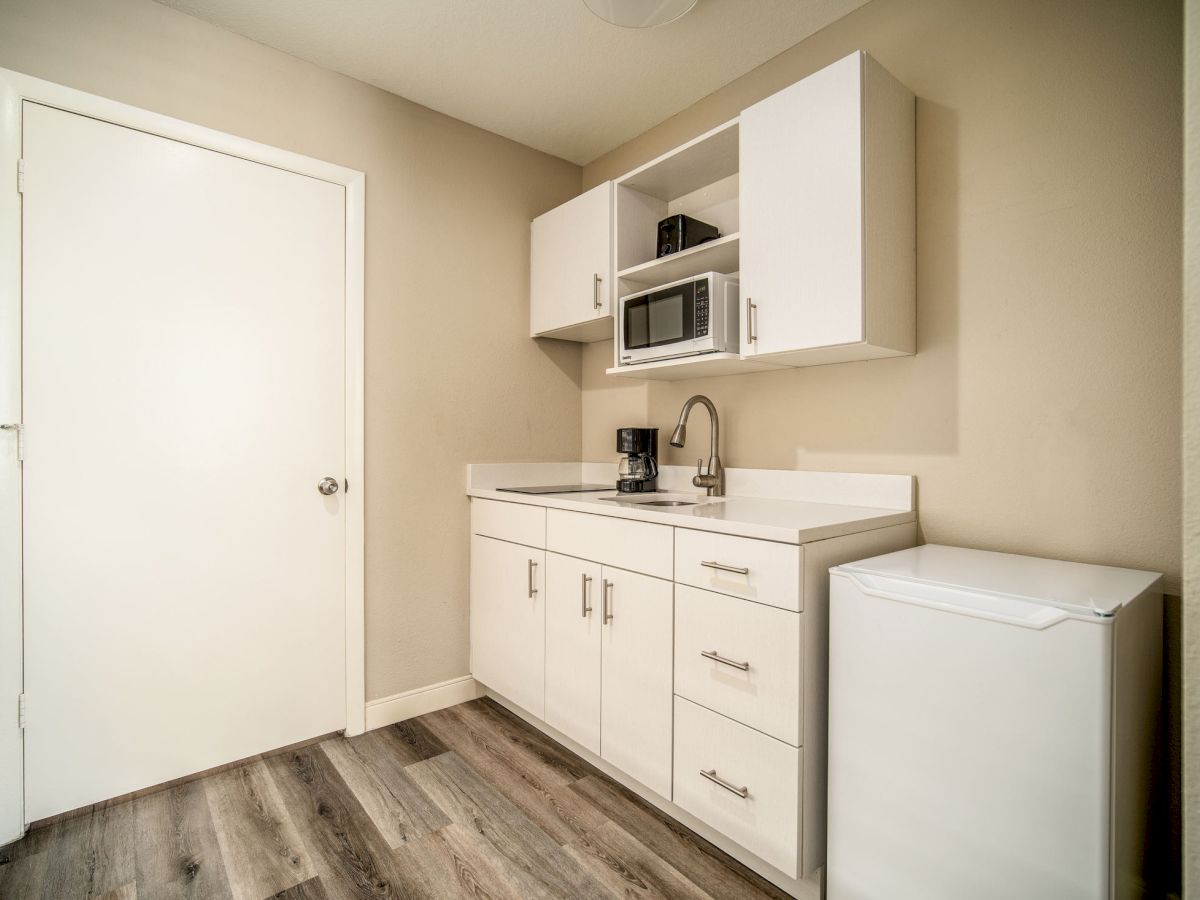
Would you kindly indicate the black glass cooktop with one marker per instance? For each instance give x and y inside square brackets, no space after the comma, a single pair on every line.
[560,488]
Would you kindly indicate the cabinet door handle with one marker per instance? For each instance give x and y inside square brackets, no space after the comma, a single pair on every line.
[596,279]
[711,775]
[532,589]
[606,600]
[717,657]
[713,564]
[750,308]
[583,590]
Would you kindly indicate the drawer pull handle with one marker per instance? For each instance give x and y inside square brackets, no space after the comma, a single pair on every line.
[717,657]
[532,589]
[587,579]
[606,601]
[711,775]
[711,564]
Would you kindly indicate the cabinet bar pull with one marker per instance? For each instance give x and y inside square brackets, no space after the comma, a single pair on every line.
[583,590]
[717,657]
[750,308]
[711,775]
[596,279]
[712,564]
[606,600]
[532,589]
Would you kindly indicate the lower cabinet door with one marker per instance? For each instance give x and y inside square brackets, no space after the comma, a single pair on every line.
[508,621]
[573,624]
[635,695]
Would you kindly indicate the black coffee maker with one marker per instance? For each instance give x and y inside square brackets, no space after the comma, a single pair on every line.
[638,470]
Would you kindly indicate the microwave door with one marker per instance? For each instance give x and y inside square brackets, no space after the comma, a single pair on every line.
[659,324]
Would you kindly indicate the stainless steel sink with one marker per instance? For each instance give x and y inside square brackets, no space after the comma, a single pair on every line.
[667,503]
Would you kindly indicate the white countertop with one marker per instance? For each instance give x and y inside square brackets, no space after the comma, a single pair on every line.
[788,517]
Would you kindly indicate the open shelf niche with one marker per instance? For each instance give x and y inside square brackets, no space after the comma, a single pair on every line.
[698,179]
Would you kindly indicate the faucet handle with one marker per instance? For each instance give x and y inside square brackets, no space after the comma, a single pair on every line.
[700,466]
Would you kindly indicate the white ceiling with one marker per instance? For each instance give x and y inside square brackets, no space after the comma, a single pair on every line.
[546,73]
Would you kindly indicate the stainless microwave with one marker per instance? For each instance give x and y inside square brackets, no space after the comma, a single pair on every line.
[683,318]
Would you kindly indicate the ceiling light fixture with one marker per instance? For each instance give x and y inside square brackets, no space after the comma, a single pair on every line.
[639,13]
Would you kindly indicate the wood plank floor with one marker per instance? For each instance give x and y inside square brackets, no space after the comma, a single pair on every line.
[466,802]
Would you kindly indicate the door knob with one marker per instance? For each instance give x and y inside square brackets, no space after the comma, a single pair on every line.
[327,486]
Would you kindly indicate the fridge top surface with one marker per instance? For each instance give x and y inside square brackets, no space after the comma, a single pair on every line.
[1075,586]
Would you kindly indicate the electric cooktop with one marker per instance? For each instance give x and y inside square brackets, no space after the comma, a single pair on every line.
[560,488]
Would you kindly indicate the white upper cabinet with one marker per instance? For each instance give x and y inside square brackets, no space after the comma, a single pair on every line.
[570,281]
[828,218]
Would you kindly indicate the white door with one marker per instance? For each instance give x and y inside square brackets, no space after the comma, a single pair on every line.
[570,262]
[801,213]
[573,625]
[635,718]
[183,395]
[508,621]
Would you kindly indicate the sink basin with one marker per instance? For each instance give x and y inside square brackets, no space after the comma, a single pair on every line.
[668,503]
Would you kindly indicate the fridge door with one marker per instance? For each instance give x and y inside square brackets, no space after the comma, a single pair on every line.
[968,745]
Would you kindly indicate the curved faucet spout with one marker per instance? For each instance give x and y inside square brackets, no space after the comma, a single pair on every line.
[714,480]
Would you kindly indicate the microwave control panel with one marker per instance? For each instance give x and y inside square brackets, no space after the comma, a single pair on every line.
[702,308]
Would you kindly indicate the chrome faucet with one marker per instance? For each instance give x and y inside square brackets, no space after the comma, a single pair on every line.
[714,480]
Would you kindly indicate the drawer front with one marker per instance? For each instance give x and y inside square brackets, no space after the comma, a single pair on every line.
[763,571]
[765,694]
[516,522]
[766,821]
[636,546]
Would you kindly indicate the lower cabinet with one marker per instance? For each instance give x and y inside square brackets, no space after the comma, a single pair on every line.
[708,691]
[573,623]
[508,620]
[608,665]
[635,682]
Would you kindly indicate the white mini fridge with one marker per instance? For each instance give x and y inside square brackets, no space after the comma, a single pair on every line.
[991,727]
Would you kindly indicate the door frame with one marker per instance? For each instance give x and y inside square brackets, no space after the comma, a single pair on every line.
[15,89]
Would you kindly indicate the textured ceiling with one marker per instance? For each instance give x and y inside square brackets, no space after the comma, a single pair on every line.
[546,73]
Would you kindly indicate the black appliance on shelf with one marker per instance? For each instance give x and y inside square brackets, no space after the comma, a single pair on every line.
[676,233]
[638,470]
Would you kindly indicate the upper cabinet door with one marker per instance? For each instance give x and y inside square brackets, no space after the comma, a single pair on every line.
[801,183]
[571,269]
[828,218]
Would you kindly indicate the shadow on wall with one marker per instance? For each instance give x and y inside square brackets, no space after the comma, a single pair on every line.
[903,405]
[567,356]
[1165,840]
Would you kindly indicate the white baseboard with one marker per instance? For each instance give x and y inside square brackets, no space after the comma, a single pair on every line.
[398,707]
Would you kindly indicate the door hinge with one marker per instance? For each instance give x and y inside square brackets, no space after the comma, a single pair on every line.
[20,430]
[20,710]
[20,176]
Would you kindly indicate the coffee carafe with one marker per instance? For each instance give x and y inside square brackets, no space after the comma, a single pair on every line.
[637,472]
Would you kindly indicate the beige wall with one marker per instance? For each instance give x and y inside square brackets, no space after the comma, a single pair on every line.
[1191,471]
[451,375]
[1041,413]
